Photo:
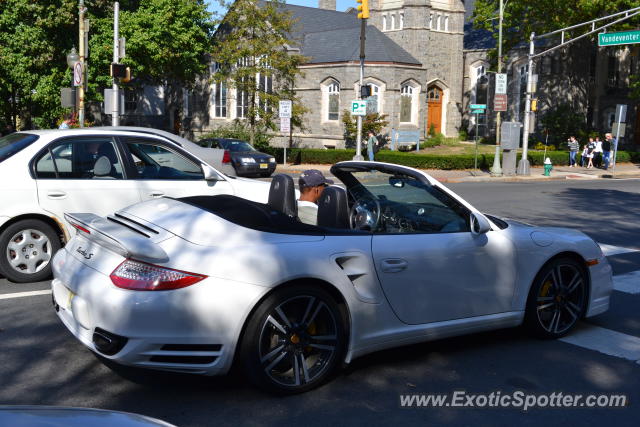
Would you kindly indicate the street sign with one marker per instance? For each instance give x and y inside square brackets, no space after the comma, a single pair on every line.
[285,124]
[77,73]
[122,52]
[614,129]
[285,109]
[359,108]
[501,84]
[477,106]
[478,111]
[500,102]
[621,113]
[615,39]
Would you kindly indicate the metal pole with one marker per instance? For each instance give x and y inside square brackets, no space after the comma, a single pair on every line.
[81,12]
[115,114]
[475,162]
[496,170]
[615,148]
[363,27]
[523,164]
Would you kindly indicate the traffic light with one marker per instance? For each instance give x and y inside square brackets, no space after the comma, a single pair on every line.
[363,9]
[534,104]
[121,71]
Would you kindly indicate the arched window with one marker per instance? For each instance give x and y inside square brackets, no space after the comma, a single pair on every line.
[331,100]
[438,21]
[220,99]
[393,22]
[446,23]
[373,102]
[478,74]
[384,22]
[431,21]
[401,20]
[406,103]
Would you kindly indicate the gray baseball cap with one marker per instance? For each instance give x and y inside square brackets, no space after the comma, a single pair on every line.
[313,178]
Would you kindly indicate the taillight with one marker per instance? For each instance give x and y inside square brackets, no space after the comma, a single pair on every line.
[226,157]
[81,228]
[141,276]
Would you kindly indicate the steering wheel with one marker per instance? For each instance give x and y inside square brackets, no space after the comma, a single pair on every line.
[365,214]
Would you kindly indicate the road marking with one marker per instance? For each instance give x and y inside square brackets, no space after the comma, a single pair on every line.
[610,250]
[605,341]
[629,283]
[25,294]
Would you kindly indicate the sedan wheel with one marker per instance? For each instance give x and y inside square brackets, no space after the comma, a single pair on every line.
[294,341]
[557,299]
[27,249]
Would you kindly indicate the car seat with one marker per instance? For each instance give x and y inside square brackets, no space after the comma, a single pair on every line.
[282,195]
[333,209]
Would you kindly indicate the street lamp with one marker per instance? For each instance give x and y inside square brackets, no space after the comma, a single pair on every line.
[72,57]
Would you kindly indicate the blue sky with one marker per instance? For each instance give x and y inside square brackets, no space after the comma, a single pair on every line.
[341,4]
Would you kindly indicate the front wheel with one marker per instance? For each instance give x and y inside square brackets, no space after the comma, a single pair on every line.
[557,299]
[27,249]
[294,341]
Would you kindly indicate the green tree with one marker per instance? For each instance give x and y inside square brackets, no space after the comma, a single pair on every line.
[250,49]
[373,122]
[521,17]
[167,43]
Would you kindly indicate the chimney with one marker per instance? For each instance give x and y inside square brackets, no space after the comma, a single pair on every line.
[327,4]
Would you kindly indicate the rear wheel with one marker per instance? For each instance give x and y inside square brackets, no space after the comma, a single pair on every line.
[294,341]
[27,249]
[557,299]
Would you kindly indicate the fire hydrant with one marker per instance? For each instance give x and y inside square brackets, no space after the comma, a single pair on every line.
[547,167]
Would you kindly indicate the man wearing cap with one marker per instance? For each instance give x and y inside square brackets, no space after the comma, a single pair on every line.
[311,184]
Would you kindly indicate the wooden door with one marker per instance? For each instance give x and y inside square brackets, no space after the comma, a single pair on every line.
[434,115]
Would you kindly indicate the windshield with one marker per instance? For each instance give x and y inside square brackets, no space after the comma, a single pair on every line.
[393,202]
[237,146]
[14,143]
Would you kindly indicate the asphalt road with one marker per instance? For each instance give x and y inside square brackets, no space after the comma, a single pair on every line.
[40,363]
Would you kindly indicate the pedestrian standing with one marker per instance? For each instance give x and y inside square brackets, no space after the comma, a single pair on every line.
[606,149]
[370,144]
[597,153]
[573,150]
[585,156]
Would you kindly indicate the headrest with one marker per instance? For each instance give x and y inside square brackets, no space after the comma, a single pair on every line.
[102,166]
[282,195]
[333,209]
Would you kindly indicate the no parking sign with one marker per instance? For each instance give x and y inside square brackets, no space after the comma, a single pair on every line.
[77,73]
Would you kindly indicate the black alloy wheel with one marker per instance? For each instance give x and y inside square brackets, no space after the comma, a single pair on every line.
[557,299]
[294,341]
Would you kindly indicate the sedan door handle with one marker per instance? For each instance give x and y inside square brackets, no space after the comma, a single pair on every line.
[156,194]
[394,265]
[56,194]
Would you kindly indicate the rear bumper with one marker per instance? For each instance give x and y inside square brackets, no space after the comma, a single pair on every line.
[192,330]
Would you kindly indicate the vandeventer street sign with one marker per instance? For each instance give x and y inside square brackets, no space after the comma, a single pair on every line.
[614,39]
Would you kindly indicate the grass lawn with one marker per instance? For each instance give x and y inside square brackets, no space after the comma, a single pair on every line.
[459,148]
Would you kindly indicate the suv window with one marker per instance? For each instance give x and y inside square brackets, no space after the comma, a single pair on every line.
[80,158]
[154,161]
[14,143]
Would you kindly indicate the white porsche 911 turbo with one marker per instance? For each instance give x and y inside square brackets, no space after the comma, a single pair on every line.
[196,283]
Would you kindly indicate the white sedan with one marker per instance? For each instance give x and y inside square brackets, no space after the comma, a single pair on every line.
[192,284]
[45,173]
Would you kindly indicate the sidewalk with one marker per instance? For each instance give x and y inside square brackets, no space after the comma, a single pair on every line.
[623,170]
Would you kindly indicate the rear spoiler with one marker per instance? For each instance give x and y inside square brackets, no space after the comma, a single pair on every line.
[118,238]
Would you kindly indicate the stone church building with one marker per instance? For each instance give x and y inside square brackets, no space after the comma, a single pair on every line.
[413,66]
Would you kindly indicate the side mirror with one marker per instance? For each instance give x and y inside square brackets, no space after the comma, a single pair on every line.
[479,224]
[210,174]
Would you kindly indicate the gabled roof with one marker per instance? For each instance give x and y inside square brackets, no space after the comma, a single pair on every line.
[327,36]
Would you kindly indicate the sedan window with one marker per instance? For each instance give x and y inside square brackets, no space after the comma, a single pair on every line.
[237,146]
[154,161]
[14,143]
[80,158]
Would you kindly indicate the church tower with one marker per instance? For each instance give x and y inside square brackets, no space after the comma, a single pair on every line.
[432,31]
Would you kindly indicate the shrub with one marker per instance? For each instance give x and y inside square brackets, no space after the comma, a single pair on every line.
[238,130]
[540,146]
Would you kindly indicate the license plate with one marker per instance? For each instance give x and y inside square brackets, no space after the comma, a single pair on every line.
[263,165]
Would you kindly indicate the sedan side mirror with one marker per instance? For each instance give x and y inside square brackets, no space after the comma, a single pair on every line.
[479,224]
[210,174]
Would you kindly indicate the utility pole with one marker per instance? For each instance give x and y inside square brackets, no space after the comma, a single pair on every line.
[363,15]
[496,169]
[115,114]
[81,11]
[523,164]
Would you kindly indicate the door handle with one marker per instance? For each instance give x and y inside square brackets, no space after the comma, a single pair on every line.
[56,194]
[156,194]
[394,265]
